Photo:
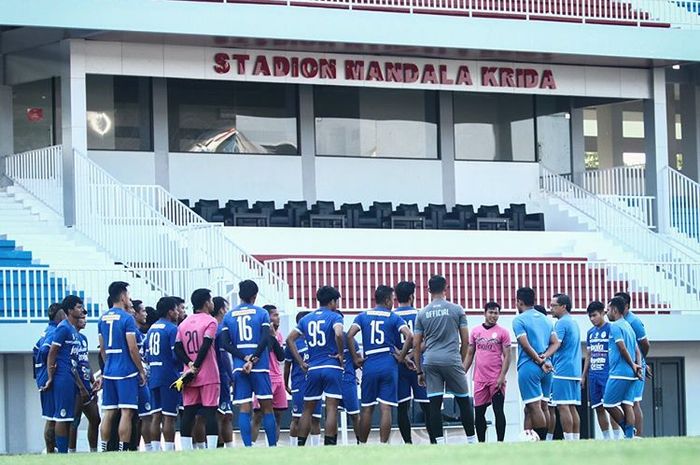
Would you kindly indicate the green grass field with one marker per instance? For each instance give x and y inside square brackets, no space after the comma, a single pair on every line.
[674,451]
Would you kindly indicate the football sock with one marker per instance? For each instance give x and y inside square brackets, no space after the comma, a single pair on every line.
[550,437]
[617,433]
[103,446]
[244,425]
[498,402]
[93,449]
[542,433]
[212,440]
[606,435]
[577,436]
[186,443]
[270,426]
[330,440]
[200,445]
[292,441]
[155,446]
[169,446]
[315,440]
[71,451]
[440,440]
[471,440]
[404,422]
[229,445]
[123,446]
[147,447]
[62,444]
[301,441]
[568,436]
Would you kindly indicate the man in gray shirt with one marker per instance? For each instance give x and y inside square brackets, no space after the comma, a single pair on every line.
[442,336]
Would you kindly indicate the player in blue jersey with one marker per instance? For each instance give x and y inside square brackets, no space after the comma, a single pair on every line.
[123,372]
[380,328]
[295,383]
[62,357]
[323,332]
[86,401]
[640,333]
[624,358]
[566,386]
[248,329]
[145,416]
[224,415]
[164,370]
[40,353]
[409,389]
[595,367]
[536,343]
[351,401]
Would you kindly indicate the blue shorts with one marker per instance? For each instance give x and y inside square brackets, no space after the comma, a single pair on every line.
[225,405]
[145,406]
[379,383]
[298,404]
[64,393]
[534,383]
[566,391]
[350,402]
[409,387]
[596,389]
[244,385]
[165,401]
[324,381]
[47,404]
[619,391]
[120,393]
[639,386]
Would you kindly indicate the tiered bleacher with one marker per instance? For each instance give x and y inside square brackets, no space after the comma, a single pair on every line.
[380,215]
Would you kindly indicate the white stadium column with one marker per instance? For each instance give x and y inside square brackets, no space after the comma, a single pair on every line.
[610,141]
[578,145]
[161,137]
[307,142]
[447,149]
[690,128]
[73,118]
[656,137]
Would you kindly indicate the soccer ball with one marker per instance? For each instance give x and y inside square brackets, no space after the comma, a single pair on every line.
[529,435]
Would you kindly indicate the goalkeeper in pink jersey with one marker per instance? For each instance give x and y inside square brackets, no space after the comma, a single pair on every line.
[194,347]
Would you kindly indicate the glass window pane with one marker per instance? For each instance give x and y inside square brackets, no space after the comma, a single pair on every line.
[119,113]
[232,117]
[359,122]
[633,124]
[494,127]
[33,115]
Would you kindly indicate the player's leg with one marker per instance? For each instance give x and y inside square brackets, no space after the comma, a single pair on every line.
[65,393]
[75,424]
[305,421]
[263,391]
[388,399]
[297,409]
[420,396]
[279,404]
[482,400]
[50,436]
[255,422]
[331,427]
[47,411]
[435,386]
[224,417]
[498,402]
[628,409]
[127,402]
[170,406]
[210,394]
[530,381]
[110,405]
[456,383]
[425,408]
[199,432]
[615,392]
[188,419]
[145,416]
[369,390]
[576,421]
[638,418]
[603,421]
[404,421]
[243,398]
[92,413]
[351,405]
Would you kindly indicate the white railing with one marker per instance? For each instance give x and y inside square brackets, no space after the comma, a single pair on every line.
[620,226]
[640,207]
[473,282]
[684,207]
[27,292]
[39,172]
[635,12]
[621,180]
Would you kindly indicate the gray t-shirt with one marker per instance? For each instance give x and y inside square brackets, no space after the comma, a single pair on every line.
[439,323]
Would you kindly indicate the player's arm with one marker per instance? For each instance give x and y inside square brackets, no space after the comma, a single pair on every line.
[263,342]
[51,365]
[644,346]
[505,367]
[339,341]
[586,366]
[407,342]
[228,345]
[418,354]
[135,355]
[626,356]
[101,354]
[357,359]
[554,344]
[287,372]
[470,357]
[464,343]
[292,346]
[225,360]
[276,348]
[527,348]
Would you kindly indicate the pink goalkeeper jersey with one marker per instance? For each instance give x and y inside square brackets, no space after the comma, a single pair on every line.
[191,333]
[275,367]
[488,357]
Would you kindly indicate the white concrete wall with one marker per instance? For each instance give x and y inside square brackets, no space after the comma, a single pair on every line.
[490,183]
[126,167]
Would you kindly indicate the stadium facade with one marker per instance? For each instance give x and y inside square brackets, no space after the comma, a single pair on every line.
[587,112]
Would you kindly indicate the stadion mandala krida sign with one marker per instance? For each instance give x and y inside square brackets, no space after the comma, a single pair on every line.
[381,71]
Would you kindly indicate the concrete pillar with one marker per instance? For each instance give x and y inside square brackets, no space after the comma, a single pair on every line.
[690,128]
[161,136]
[447,149]
[578,145]
[307,142]
[610,140]
[73,118]
[6,134]
[656,137]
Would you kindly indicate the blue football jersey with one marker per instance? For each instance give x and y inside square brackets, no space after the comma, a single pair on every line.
[318,329]
[114,325]
[245,324]
[297,375]
[163,364]
[84,369]
[567,359]
[349,373]
[635,322]
[223,358]
[620,330]
[597,341]
[408,314]
[41,352]
[381,329]
[537,328]
[66,338]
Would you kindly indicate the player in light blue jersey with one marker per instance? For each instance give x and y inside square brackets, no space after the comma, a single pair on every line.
[323,333]
[164,370]
[40,353]
[566,386]
[248,328]
[380,328]
[536,343]
[624,358]
[595,367]
[409,389]
[123,371]
[60,362]
[640,333]
[295,383]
